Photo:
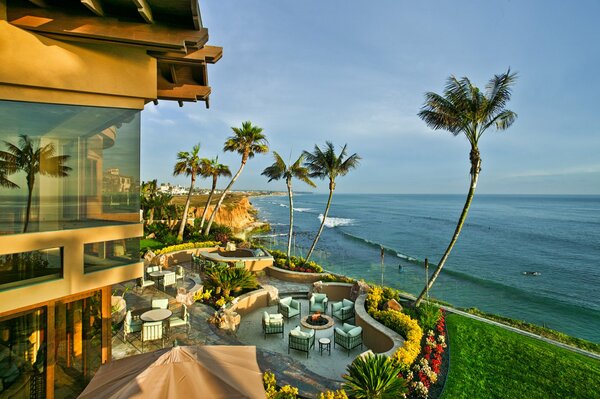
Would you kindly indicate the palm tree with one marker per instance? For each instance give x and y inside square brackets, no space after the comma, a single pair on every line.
[280,170]
[212,168]
[148,200]
[33,159]
[7,168]
[246,141]
[374,376]
[324,163]
[465,109]
[190,165]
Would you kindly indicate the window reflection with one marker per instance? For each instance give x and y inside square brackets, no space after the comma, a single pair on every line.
[30,267]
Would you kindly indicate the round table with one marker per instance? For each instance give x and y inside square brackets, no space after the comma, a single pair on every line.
[325,345]
[156,315]
[160,274]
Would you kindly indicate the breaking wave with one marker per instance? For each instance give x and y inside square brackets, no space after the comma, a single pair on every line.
[334,222]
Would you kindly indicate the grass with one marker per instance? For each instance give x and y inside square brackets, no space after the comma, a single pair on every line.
[148,243]
[489,362]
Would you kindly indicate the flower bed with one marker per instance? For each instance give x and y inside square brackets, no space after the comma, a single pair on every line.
[295,263]
[187,245]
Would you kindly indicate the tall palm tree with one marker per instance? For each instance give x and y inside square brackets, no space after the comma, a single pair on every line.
[31,158]
[212,168]
[465,109]
[188,164]
[279,170]
[148,200]
[7,168]
[374,377]
[246,141]
[324,163]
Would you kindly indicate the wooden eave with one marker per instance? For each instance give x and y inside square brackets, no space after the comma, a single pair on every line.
[207,54]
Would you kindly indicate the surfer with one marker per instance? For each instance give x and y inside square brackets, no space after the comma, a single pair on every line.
[400,269]
[532,273]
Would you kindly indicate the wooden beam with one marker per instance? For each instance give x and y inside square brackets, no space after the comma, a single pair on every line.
[144,9]
[209,54]
[94,6]
[196,17]
[183,93]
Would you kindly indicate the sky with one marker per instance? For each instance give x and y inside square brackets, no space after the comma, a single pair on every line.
[355,72]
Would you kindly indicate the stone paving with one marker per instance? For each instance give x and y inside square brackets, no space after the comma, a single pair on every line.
[311,376]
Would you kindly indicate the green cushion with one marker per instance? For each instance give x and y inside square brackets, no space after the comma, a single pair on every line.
[355,332]
[286,301]
[336,306]
[347,308]
[275,316]
[319,297]
[341,332]
[346,302]
[265,316]
[347,327]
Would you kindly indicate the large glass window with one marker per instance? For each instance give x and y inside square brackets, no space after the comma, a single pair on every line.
[30,267]
[64,167]
[107,254]
[23,355]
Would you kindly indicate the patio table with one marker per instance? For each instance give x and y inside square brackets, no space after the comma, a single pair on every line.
[156,315]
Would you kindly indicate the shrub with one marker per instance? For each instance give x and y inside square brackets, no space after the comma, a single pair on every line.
[427,315]
[339,394]
[270,384]
[374,376]
[230,279]
[187,245]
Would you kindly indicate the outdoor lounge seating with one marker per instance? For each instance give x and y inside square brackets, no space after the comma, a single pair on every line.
[343,310]
[289,307]
[160,303]
[154,268]
[152,331]
[168,280]
[181,321]
[317,303]
[272,324]
[348,337]
[301,340]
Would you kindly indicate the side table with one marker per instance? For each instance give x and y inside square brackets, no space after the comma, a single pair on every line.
[325,345]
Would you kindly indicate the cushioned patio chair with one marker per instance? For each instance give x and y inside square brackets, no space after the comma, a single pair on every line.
[317,303]
[131,326]
[301,340]
[289,307]
[272,324]
[343,310]
[348,337]
[143,283]
[160,303]
[168,280]
[183,320]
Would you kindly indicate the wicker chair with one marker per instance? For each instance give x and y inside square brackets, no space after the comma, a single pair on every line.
[348,337]
[272,324]
[301,340]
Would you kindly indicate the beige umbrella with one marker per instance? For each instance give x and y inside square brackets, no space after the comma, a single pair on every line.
[180,372]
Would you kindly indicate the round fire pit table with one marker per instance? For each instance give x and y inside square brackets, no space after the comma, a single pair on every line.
[321,331]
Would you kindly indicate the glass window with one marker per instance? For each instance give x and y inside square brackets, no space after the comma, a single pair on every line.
[23,355]
[65,167]
[107,254]
[30,267]
[78,342]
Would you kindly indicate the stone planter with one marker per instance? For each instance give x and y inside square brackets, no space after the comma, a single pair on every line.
[118,309]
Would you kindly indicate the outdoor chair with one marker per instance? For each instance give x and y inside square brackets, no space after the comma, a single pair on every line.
[348,337]
[181,321]
[160,303]
[130,325]
[289,307]
[152,331]
[317,303]
[153,268]
[168,280]
[143,283]
[180,275]
[272,324]
[343,310]
[301,340]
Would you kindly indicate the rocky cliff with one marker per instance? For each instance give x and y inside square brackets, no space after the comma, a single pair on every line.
[238,215]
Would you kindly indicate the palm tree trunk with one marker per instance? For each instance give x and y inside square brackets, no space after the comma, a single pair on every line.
[205,211]
[290,195]
[312,247]
[30,183]
[151,216]
[185,211]
[222,198]
[475,168]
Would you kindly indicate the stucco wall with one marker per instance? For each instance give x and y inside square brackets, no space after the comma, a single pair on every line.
[376,336]
[296,277]
[251,301]
[185,256]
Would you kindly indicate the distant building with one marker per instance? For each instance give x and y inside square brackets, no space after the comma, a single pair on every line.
[75,76]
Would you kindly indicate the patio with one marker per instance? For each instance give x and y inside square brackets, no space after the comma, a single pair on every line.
[311,375]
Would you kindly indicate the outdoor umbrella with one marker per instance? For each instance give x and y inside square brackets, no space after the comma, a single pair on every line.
[180,372]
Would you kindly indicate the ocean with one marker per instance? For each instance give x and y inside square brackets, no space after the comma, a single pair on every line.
[504,236]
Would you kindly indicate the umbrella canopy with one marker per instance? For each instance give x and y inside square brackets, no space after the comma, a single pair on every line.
[183,371]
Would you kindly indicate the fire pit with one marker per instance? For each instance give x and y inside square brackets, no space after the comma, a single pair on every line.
[323,324]
[316,320]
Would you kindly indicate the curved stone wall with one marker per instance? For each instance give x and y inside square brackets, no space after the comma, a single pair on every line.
[377,337]
[296,277]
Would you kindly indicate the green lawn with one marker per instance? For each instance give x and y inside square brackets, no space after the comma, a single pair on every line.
[148,243]
[490,362]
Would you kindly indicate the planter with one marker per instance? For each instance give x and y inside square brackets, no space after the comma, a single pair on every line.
[118,309]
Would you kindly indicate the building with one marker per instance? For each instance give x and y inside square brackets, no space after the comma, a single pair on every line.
[74,79]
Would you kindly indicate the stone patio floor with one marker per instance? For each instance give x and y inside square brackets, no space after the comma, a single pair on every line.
[312,376]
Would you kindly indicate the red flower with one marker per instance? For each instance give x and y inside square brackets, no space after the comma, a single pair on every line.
[427,357]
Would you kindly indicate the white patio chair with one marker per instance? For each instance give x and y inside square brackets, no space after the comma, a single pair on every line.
[152,331]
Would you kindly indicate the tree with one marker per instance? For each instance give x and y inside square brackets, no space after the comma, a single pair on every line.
[190,165]
[374,376]
[279,170]
[324,163]
[465,109]
[246,141]
[148,200]
[7,168]
[212,168]
[33,159]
